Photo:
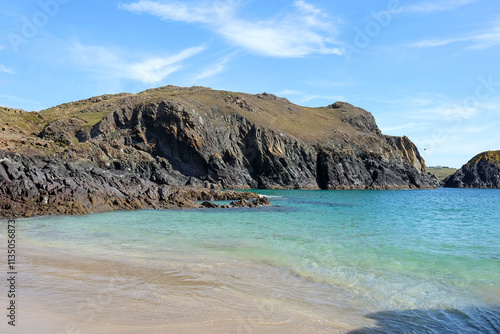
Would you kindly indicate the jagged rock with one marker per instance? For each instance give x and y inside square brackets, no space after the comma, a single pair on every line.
[233,152]
[46,185]
[482,171]
[261,201]
[64,130]
[210,205]
[242,203]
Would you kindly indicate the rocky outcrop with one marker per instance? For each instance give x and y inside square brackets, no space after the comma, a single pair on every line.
[408,151]
[134,151]
[482,171]
[356,117]
[34,186]
[231,151]
[65,130]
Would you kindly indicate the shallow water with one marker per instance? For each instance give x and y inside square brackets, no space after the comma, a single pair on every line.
[424,261]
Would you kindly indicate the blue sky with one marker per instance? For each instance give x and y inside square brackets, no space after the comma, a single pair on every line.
[426,69]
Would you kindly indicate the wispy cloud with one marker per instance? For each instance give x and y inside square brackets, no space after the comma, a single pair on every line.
[475,129]
[14,102]
[113,63]
[446,129]
[448,111]
[436,6]
[302,97]
[411,125]
[214,69]
[305,30]
[421,100]
[479,40]
[436,42]
[4,69]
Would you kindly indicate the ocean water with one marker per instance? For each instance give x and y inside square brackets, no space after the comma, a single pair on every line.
[425,261]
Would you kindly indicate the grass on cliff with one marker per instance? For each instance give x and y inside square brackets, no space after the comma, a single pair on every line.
[267,110]
[90,110]
[441,173]
[492,157]
[19,119]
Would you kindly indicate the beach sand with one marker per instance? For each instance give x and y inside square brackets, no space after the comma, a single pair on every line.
[61,291]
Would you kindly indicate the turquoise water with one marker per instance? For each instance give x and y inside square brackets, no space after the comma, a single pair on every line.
[425,261]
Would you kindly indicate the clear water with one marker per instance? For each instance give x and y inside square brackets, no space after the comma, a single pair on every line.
[425,261]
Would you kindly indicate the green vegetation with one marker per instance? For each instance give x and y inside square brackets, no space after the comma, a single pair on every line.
[92,118]
[492,157]
[312,124]
[441,172]
[90,110]
[19,119]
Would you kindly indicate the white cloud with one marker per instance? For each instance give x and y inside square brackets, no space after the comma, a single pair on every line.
[486,39]
[299,97]
[177,11]
[215,69]
[211,71]
[475,129]
[304,31]
[478,40]
[435,42]
[411,125]
[445,111]
[448,130]
[288,92]
[112,63]
[436,6]
[15,101]
[4,69]
[412,101]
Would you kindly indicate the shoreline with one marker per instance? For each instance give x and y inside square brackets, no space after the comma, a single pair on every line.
[179,197]
[103,295]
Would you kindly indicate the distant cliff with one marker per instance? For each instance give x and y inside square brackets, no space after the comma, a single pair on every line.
[115,145]
[482,171]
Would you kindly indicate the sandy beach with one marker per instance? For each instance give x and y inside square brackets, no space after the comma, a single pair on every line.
[62,292]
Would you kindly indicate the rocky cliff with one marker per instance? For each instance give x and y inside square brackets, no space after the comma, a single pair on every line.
[482,171]
[133,150]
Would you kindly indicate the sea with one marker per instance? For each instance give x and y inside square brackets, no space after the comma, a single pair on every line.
[347,261]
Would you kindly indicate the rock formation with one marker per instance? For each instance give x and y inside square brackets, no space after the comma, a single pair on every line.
[482,171]
[130,151]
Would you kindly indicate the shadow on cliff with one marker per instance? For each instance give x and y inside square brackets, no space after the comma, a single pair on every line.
[436,321]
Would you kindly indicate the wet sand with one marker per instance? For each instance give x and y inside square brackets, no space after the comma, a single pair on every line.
[63,292]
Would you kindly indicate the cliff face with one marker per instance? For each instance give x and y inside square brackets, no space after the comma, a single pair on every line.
[45,185]
[243,145]
[130,149]
[482,171]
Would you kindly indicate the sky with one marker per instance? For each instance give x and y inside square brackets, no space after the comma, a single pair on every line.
[429,70]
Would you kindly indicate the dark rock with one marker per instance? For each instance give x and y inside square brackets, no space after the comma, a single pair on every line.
[64,130]
[482,171]
[261,201]
[54,186]
[207,204]
[242,203]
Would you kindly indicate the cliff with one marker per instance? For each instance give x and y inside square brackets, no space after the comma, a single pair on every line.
[129,149]
[482,171]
